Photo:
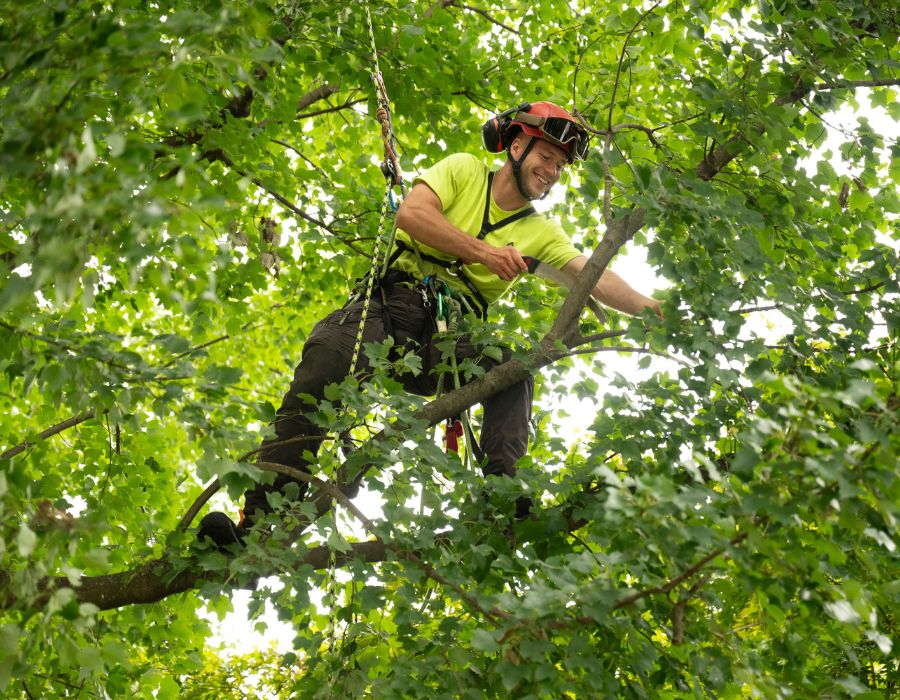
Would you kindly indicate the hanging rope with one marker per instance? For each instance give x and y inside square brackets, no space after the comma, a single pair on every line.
[390,168]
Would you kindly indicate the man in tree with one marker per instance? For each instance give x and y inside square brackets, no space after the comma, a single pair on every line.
[476,231]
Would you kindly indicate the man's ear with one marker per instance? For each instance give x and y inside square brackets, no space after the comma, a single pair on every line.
[517,145]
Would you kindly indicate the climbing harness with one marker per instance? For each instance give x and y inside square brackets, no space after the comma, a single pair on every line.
[446,315]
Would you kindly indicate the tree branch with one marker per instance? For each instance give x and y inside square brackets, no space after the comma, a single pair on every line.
[221,156]
[484,14]
[671,583]
[612,98]
[316,95]
[597,337]
[49,432]
[239,107]
[853,84]
[618,348]
[455,3]
[330,110]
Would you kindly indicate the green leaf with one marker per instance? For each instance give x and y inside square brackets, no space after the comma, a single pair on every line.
[26,540]
[221,376]
[10,634]
[483,640]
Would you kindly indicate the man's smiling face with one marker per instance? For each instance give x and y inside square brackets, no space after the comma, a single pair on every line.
[542,167]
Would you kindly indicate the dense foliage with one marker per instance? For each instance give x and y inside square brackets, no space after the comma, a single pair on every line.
[187,186]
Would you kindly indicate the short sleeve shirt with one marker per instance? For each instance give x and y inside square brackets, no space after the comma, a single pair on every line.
[460,181]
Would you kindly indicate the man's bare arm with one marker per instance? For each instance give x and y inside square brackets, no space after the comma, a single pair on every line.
[421,215]
[615,292]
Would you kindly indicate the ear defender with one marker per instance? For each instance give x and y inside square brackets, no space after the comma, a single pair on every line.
[493,131]
[490,135]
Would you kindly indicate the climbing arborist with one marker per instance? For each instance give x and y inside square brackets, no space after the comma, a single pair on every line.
[474,231]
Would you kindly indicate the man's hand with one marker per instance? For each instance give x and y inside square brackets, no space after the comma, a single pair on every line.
[506,262]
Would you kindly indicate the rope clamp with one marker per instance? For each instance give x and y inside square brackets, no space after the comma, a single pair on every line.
[387,169]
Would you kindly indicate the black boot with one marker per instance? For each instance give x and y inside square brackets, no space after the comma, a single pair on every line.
[219,528]
[523,507]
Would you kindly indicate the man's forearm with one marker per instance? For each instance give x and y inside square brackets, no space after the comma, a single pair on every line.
[615,292]
[421,217]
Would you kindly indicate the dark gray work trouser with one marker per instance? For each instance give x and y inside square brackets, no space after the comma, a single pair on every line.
[326,360]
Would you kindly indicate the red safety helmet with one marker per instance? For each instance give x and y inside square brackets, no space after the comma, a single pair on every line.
[542,120]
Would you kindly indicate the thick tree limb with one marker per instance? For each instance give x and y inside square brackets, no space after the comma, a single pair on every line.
[158,579]
[723,154]
[617,234]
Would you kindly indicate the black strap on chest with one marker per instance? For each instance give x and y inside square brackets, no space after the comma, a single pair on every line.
[456,266]
[486,225]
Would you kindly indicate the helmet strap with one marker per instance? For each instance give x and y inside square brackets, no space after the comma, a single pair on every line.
[517,169]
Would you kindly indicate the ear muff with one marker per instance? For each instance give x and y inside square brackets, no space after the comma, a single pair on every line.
[494,130]
[491,135]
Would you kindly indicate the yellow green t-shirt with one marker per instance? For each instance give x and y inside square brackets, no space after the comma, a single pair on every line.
[460,182]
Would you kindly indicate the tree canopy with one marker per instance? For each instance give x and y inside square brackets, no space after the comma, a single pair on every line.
[188,186]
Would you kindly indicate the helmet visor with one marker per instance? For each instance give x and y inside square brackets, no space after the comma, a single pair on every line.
[559,131]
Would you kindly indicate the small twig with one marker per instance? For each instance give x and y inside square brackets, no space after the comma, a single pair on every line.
[64,346]
[495,614]
[596,337]
[844,84]
[213,487]
[336,494]
[754,309]
[612,99]
[330,110]
[306,159]
[617,348]
[483,13]
[607,183]
[188,206]
[864,290]
[581,55]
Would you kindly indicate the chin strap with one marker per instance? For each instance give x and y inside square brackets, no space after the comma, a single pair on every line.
[517,170]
